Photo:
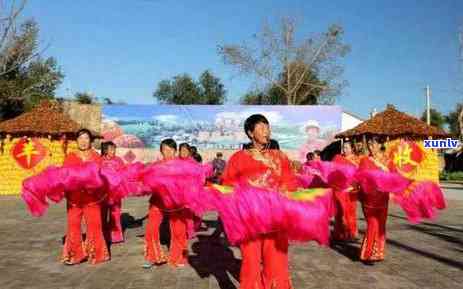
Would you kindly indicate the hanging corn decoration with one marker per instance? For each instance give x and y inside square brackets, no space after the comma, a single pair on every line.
[12,173]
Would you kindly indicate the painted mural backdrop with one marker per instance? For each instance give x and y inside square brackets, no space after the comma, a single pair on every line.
[298,129]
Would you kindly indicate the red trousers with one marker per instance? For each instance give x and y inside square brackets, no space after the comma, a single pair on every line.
[345,226]
[178,231]
[112,222]
[374,241]
[265,263]
[94,247]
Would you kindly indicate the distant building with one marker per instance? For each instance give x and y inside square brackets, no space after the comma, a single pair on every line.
[349,120]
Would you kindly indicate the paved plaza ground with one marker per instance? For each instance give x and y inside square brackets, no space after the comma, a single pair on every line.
[429,255]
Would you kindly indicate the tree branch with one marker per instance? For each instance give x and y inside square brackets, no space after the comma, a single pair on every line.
[19,61]
[309,65]
[11,19]
[296,64]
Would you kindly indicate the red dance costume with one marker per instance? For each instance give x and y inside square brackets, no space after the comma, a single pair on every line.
[375,208]
[345,226]
[153,251]
[112,211]
[178,218]
[81,204]
[264,259]
[315,181]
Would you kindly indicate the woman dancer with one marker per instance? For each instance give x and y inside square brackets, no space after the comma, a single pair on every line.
[375,206]
[82,204]
[345,227]
[112,211]
[154,254]
[267,168]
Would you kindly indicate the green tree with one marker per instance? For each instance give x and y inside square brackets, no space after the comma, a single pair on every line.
[26,78]
[258,97]
[309,93]
[43,77]
[84,98]
[453,120]
[212,91]
[437,118]
[308,66]
[268,96]
[311,90]
[182,89]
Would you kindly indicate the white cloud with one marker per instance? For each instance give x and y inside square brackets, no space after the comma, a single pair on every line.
[166,117]
[227,115]
[110,118]
[227,118]
[272,116]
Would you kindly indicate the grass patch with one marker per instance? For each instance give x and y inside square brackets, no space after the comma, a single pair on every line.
[451,176]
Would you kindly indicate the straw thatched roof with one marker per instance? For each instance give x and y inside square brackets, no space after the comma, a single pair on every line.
[394,123]
[47,118]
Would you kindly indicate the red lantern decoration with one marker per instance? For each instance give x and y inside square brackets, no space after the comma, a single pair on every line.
[28,153]
[406,156]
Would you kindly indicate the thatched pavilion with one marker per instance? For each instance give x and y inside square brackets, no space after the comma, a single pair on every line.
[32,141]
[392,123]
[402,133]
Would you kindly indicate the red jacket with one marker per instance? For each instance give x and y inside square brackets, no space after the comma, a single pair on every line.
[81,198]
[272,170]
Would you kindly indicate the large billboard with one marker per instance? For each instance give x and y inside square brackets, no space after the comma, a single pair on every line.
[212,128]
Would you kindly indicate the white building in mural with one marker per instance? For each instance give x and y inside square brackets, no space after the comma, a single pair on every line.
[349,120]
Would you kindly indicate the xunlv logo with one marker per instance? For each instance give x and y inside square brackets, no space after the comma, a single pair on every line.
[441,143]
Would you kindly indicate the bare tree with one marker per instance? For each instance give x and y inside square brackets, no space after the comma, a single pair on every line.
[277,52]
[13,52]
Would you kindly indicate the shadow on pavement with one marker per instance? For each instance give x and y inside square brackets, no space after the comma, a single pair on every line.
[440,259]
[443,234]
[430,224]
[348,249]
[129,222]
[211,257]
[164,229]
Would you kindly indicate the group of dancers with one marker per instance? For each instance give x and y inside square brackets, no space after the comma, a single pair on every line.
[374,206]
[103,216]
[263,200]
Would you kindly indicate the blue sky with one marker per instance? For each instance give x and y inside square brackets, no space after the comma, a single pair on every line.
[121,49]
